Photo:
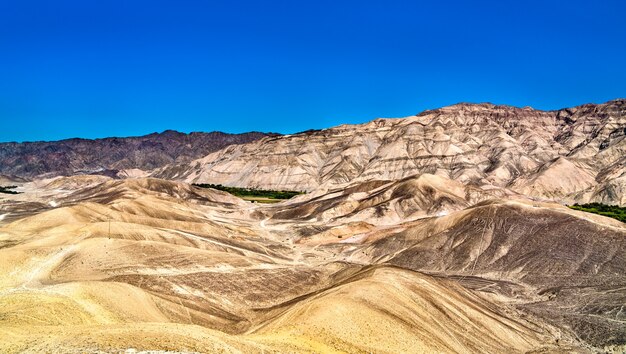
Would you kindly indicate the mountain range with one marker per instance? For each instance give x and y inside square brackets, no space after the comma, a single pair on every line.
[570,155]
[443,232]
[31,160]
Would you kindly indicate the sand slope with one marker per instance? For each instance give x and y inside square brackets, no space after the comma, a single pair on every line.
[157,265]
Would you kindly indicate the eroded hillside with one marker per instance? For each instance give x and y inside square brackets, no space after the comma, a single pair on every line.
[422,264]
[122,157]
[569,155]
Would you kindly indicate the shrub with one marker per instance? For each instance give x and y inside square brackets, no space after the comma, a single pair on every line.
[612,211]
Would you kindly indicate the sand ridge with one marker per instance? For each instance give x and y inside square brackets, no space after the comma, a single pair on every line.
[159,265]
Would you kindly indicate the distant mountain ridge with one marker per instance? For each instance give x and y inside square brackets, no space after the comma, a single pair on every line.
[571,155]
[568,155]
[109,155]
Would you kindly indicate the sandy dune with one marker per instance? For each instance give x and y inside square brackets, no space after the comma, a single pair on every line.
[157,265]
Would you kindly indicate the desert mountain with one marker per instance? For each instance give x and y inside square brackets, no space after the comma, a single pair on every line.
[421,264]
[434,233]
[109,155]
[569,155]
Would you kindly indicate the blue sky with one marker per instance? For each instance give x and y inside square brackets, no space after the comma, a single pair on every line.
[119,68]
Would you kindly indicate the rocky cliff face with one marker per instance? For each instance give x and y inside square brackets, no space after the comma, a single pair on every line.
[573,154]
[107,156]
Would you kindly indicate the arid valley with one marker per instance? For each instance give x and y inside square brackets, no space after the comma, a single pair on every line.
[447,232]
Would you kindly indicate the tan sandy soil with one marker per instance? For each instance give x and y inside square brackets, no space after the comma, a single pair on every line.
[156,265]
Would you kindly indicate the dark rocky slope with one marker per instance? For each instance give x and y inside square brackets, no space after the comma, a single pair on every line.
[108,155]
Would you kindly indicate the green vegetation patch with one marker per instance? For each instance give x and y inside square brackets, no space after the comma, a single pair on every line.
[260,195]
[7,190]
[612,211]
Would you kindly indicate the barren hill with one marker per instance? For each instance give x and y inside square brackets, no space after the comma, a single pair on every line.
[433,233]
[109,155]
[160,265]
[573,154]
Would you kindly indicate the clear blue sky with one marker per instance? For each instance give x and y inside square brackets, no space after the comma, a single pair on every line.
[129,67]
